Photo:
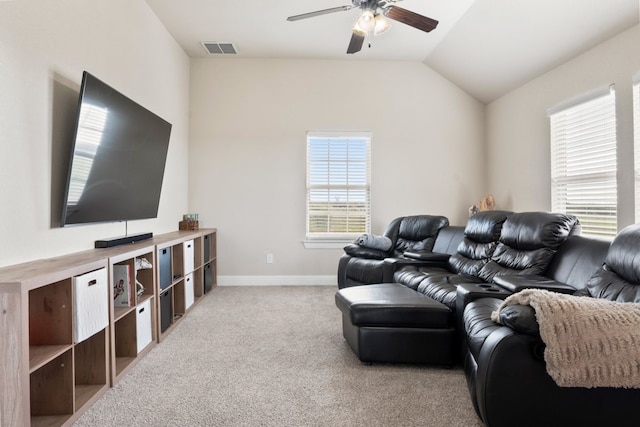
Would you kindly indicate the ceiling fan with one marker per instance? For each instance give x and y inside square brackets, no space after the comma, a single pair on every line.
[373,19]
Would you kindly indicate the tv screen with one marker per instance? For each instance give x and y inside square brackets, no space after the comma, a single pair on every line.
[118,158]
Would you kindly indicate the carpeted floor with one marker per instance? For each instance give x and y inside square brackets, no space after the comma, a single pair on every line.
[275,356]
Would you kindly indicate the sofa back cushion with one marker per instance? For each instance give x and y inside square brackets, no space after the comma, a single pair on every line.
[619,277]
[448,239]
[481,236]
[418,233]
[528,242]
[577,259]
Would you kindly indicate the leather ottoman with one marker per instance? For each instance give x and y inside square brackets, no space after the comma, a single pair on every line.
[391,323]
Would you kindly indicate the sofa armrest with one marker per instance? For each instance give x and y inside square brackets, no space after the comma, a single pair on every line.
[467,292]
[427,256]
[363,252]
[516,283]
[392,264]
[520,318]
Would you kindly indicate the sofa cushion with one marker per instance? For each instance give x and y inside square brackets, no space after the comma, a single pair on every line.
[623,257]
[533,230]
[448,239]
[481,236]
[471,257]
[486,226]
[443,287]
[411,276]
[416,233]
[577,259]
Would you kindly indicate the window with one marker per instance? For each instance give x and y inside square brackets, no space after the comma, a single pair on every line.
[338,180]
[636,136]
[583,162]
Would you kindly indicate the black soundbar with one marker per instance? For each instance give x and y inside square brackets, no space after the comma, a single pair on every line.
[115,241]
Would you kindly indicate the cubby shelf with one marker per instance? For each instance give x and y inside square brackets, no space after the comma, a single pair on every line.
[181,274]
[63,340]
[137,287]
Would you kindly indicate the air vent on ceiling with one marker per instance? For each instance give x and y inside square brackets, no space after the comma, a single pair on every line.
[219,48]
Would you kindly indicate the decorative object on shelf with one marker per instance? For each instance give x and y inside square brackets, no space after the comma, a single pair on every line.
[121,284]
[488,203]
[189,222]
[141,264]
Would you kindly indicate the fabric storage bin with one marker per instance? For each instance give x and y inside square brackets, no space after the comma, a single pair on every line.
[164,263]
[166,310]
[188,255]
[188,291]
[143,325]
[208,277]
[207,248]
[90,304]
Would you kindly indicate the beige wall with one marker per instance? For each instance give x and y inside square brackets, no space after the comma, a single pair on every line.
[249,119]
[518,127]
[237,151]
[44,47]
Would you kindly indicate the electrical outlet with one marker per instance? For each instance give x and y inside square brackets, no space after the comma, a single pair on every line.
[269,258]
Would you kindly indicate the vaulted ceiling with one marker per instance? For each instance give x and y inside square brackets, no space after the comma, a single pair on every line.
[487,47]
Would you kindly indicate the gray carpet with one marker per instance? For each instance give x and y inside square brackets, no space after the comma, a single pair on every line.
[275,356]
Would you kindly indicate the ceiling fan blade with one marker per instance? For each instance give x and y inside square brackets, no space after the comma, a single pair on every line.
[356,43]
[411,18]
[319,12]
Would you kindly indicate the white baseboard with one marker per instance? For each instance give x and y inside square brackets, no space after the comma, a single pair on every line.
[277,280]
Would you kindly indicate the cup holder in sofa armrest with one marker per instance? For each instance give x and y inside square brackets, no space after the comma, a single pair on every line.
[517,283]
[468,292]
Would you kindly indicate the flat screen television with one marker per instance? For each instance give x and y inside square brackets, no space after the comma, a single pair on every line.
[117,160]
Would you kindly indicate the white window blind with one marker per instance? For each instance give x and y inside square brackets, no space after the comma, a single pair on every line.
[636,136]
[338,181]
[583,162]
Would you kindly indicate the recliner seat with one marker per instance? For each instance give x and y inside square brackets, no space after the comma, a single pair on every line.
[481,237]
[361,266]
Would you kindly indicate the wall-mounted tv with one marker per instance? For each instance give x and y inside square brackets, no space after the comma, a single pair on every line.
[118,158]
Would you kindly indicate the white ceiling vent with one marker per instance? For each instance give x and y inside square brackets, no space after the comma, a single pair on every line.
[219,48]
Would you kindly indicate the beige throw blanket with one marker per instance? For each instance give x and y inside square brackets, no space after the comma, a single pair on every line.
[589,342]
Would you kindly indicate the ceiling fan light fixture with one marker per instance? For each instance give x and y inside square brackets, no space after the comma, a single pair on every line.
[381,25]
[367,21]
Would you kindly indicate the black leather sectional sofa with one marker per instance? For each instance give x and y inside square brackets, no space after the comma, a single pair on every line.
[433,305]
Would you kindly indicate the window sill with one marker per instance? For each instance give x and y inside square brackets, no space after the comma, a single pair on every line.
[326,243]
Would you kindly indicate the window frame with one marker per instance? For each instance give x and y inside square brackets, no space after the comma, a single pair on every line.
[583,148]
[636,144]
[337,239]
